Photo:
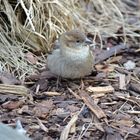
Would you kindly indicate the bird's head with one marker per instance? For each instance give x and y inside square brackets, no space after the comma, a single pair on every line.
[74,39]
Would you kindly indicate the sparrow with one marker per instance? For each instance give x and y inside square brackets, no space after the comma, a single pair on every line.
[73,59]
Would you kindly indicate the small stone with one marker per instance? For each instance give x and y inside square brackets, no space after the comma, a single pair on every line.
[129,65]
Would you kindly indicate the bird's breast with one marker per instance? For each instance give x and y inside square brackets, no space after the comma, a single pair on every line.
[71,64]
[75,55]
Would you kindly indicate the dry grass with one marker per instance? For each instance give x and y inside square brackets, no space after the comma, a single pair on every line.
[34,25]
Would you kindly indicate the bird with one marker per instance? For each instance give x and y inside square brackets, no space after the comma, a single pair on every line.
[73,59]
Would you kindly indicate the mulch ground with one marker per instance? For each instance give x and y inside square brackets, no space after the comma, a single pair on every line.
[102,106]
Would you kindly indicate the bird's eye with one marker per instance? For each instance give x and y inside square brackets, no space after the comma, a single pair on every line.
[78,41]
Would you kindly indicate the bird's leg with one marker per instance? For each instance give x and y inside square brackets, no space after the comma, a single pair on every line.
[58,81]
[82,84]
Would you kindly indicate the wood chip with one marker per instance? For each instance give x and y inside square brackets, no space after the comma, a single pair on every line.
[50,93]
[135,87]
[97,124]
[128,98]
[123,122]
[74,94]
[42,126]
[107,54]
[105,89]
[67,129]
[122,82]
[94,96]
[133,112]
[93,107]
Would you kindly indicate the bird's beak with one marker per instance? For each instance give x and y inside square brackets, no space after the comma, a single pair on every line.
[88,41]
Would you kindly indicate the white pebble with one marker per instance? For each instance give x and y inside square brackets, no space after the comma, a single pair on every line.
[129,65]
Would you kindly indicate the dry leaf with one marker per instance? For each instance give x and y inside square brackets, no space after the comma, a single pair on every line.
[12,104]
[43,109]
[8,78]
[31,58]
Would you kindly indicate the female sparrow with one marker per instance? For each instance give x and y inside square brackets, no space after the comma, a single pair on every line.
[74,58]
